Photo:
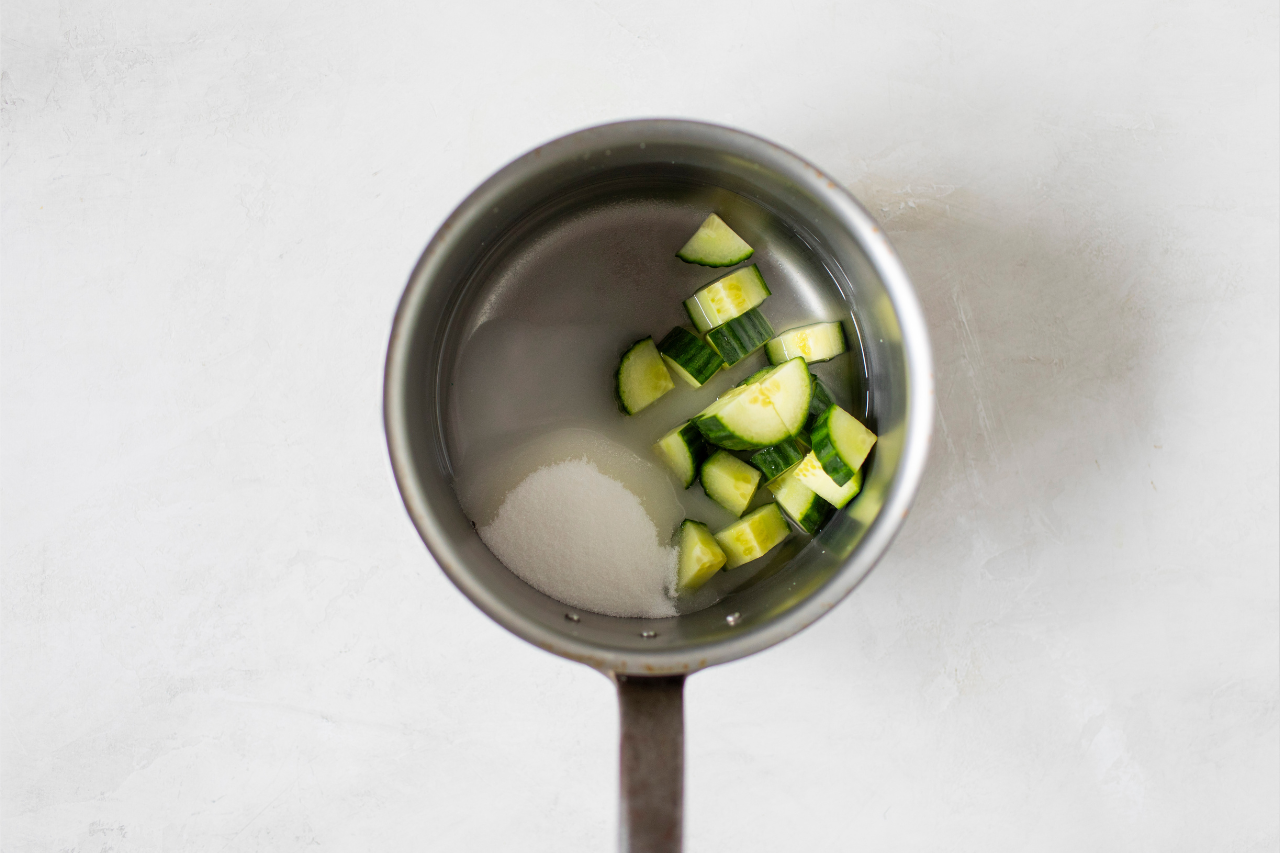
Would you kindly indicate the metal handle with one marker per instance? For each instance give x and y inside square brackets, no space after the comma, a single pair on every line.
[652,813]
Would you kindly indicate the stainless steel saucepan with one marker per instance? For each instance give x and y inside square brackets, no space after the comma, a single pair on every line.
[607,187]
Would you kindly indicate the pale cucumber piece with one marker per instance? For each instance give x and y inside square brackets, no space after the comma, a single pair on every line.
[806,508]
[789,387]
[715,244]
[775,461]
[642,377]
[752,537]
[841,443]
[729,481]
[815,342]
[684,450]
[688,356]
[811,473]
[742,419]
[727,297]
[700,556]
[740,337]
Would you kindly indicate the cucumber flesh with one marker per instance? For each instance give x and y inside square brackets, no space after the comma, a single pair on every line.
[688,357]
[811,473]
[642,377]
[742,419]
[740,337]
[815,342]
[684,450]
[790,388]
[700,556]
[729,481]
[750,538]
[727,297]
[715,244]
[775,461]
[841,444]
[805,506]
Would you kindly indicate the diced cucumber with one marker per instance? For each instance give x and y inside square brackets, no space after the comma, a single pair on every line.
[790,389]
[715,244]
[815,342]
[729,481]
[684,450]
[727,297]
[819,403]
[775,461]
[751,538]
[841,443]
[810,472]
[740,337]
[688,357]
[806,508]
[642,377]
[700,555]
[742,419]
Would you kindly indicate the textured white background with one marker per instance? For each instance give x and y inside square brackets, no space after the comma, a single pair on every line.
[220,631]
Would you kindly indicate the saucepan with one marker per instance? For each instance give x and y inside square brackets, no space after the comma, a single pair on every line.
[611,188]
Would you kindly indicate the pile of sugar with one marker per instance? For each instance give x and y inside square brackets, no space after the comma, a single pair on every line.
[581,537]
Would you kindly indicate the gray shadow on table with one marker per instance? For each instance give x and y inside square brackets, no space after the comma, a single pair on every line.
[1042,352]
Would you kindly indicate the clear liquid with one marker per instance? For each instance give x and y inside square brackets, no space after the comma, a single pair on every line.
[533,382]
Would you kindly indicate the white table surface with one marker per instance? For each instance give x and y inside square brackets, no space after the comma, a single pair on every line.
[220,631]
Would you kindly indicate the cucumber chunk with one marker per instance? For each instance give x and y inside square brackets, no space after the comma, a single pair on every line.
[727,297]
[740,337]
[819,403]
[700,556]
[805,506]
[752,537]
[715,244]
[841,443]
[810,472]
[775,461]
[742,419]
[763,413]
[790,389]
[729,481]
[815,342]
[642,377]
[684,450]
[688,357]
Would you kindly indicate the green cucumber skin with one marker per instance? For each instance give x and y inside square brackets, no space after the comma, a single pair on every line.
[819,402]
[815,515]
[705,263]
[716,432]
[691,353]
[825,450]
[775,461]
[741,336]
[753,377]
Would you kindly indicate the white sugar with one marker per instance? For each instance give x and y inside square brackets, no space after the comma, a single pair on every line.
[581,537]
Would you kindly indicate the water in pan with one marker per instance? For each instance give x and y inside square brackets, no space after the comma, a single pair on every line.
[544,323]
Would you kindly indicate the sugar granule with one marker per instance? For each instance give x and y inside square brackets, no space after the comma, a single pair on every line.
[581,537]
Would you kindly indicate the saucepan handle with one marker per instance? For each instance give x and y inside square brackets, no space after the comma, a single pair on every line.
[651,819]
